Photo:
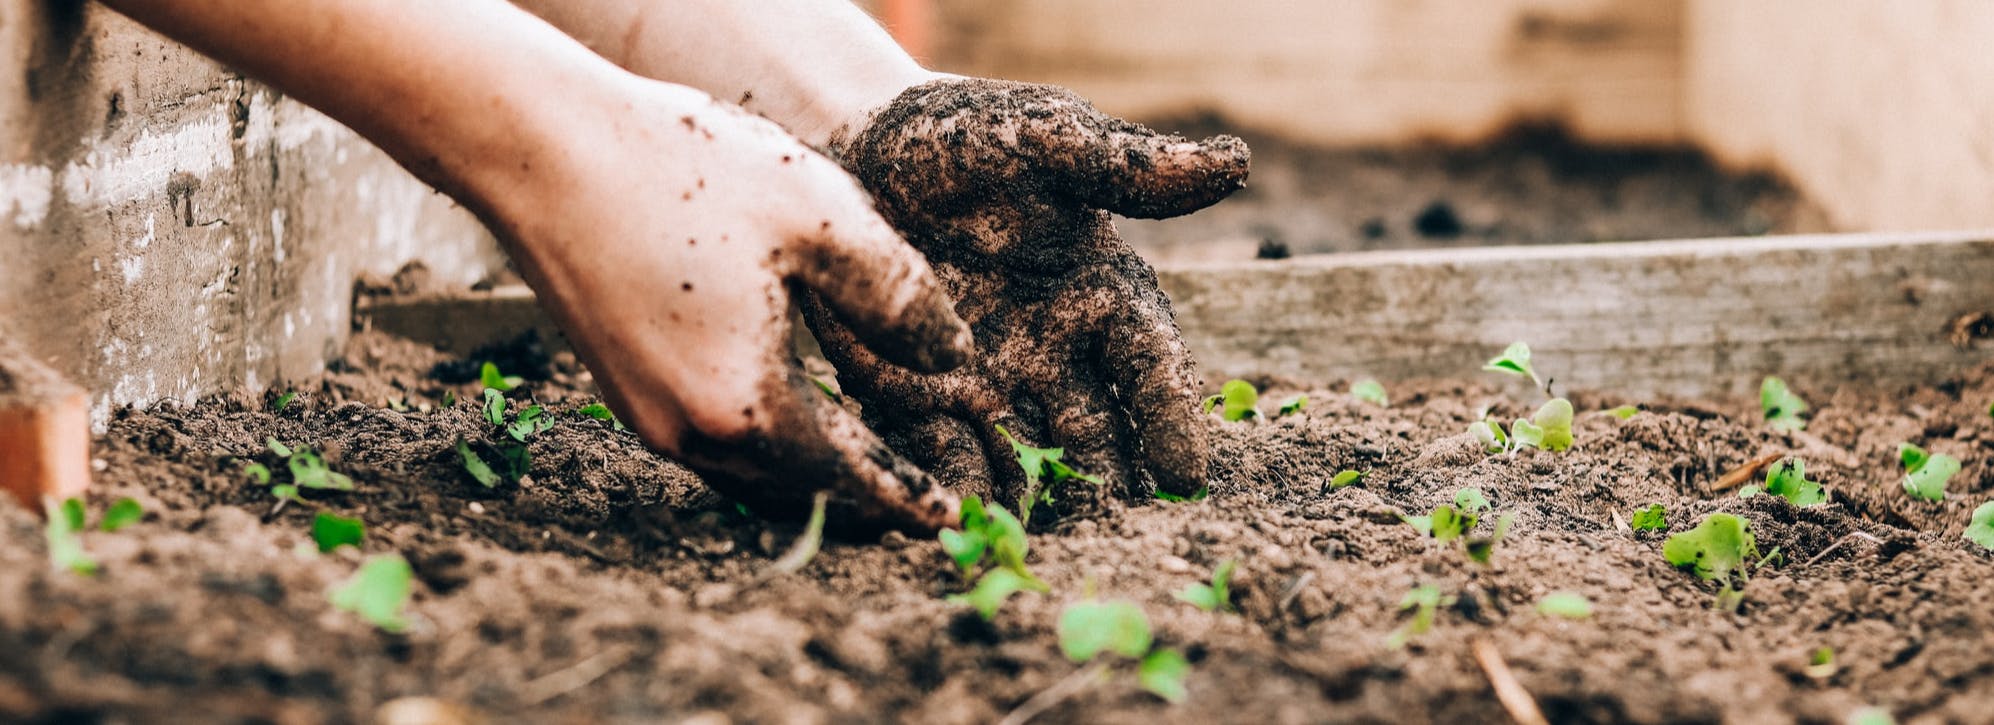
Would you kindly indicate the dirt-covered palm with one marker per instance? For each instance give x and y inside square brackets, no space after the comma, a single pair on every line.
[1007,188]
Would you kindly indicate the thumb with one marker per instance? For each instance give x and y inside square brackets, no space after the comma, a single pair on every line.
[1133,171]
[885,291]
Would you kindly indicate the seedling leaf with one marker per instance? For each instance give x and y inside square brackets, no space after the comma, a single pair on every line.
[1347,477]
[1981,528]
[1294,404]
[1471,500]
[65,547]
[1490,434]
[286,492]
[602,412]
[1162,672]
[125,512]
[308,470]
[476,466]
[1554,420]
[1652,518]
[331,531]
[283,401]
[1213,597]
[1370,391]
[1926,474]
[1086,629]
[1425,600]
[996,586]
[489,375]
[812,539]
[1198,495]
[1515,360]
[1237,400]
[1525,434]
[1782,408]
[1717,547]
[257,472]
[1788,479]
[1570,605]
[1623,412]
[530,422]
[282,451]
[377,592]
[1911,456]
[825,388]
[494,407]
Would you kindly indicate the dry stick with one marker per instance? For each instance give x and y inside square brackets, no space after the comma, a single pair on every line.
[1294,590]
[1738,476]
[1050,697]
[1838,544]
[573,677]
[1515,699]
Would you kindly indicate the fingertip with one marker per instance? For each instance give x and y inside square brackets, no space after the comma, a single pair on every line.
[1170,176]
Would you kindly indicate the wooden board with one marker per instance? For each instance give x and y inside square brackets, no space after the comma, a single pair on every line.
[1694,317]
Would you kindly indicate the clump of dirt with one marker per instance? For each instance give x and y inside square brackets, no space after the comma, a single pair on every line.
[610,586]
[1534,184]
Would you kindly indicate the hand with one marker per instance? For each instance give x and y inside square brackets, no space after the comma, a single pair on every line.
[1003,186]
[666,231]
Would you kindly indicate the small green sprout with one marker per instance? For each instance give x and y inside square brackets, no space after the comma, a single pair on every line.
[1652,518]
[1569,605]
[257,472]
[991,590]
[378,592]
[1821,663]
[488,374]
[1926,474]
[1782,408]
[1981,528]
[1515,360]
[331,531]
[283,401]
[65,545]
[1044,473]
[807,544]
[1623,412]
[476,466]
[1490,434]
[1555,420]
[1089,628]
[1347,477]
[1550,429]
[123,513]
[1788,479]
[1293,405]
[1871,716]
[1480,549]
[1237,400]
[1213,597]
[1199,495]
[449,398]
[990,534]
[307,469]
[1425,602]
[602,412]
[1449,522]
[826,389]
[1370,391]
[514,459]
[1719,549]
[1162,672]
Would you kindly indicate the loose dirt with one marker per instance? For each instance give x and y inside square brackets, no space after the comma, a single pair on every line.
[611,587]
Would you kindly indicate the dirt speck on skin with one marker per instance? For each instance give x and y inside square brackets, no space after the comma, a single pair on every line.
[612,563]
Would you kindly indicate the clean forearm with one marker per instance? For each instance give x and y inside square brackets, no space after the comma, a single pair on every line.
[810,65]
[447,87]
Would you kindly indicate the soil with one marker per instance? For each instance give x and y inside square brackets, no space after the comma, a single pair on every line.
[610,586]
[1533,184]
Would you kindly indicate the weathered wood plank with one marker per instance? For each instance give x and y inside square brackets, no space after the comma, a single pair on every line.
[1693,317]
[1688,317]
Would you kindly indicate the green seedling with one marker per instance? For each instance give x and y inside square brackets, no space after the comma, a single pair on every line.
[1449,522]
[1550,429]
[1370,391]
[1425,602]
[1237,400]
[514,459]
[331,531]
[1481,549]
[1045,474]
[826,389]
[1213,597]
[807,545]
[307,470]
[602,412]
[1788,479]
[990,534]
[1347,477]
[1554,419]
[1980,529]
[1718,549]
[1652,518]
[1623,412]
[476,466]
[1926,474]
[1569,605]
[1515,360]
[65,544]
[399,405]
[1821,663]
[1199,495]
[449,398]
[378,592]
[1293,405]
[283,401]
[1491,435]
[991,590]
[123,513]
[488,374]
[1088,629]
[1782,408]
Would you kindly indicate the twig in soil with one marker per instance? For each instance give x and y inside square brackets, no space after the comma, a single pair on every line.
[1050,697]
[1294,590]
[1522,708]
[1746,472]
[1620,523]
[573,677]
[1838,544]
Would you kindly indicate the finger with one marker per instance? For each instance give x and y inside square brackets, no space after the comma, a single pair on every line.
[1085,424]
[1158,385]
[1133,171]
[808,443]
[950,451]
[885,291]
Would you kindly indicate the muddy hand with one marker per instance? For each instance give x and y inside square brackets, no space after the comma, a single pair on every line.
[673,279]
[1007,188]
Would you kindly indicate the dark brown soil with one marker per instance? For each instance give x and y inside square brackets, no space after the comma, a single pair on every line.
[1531,185]
[610,587]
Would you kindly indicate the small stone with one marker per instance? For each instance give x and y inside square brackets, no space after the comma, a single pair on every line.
[476,508]
[1173,565]
[99,465]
